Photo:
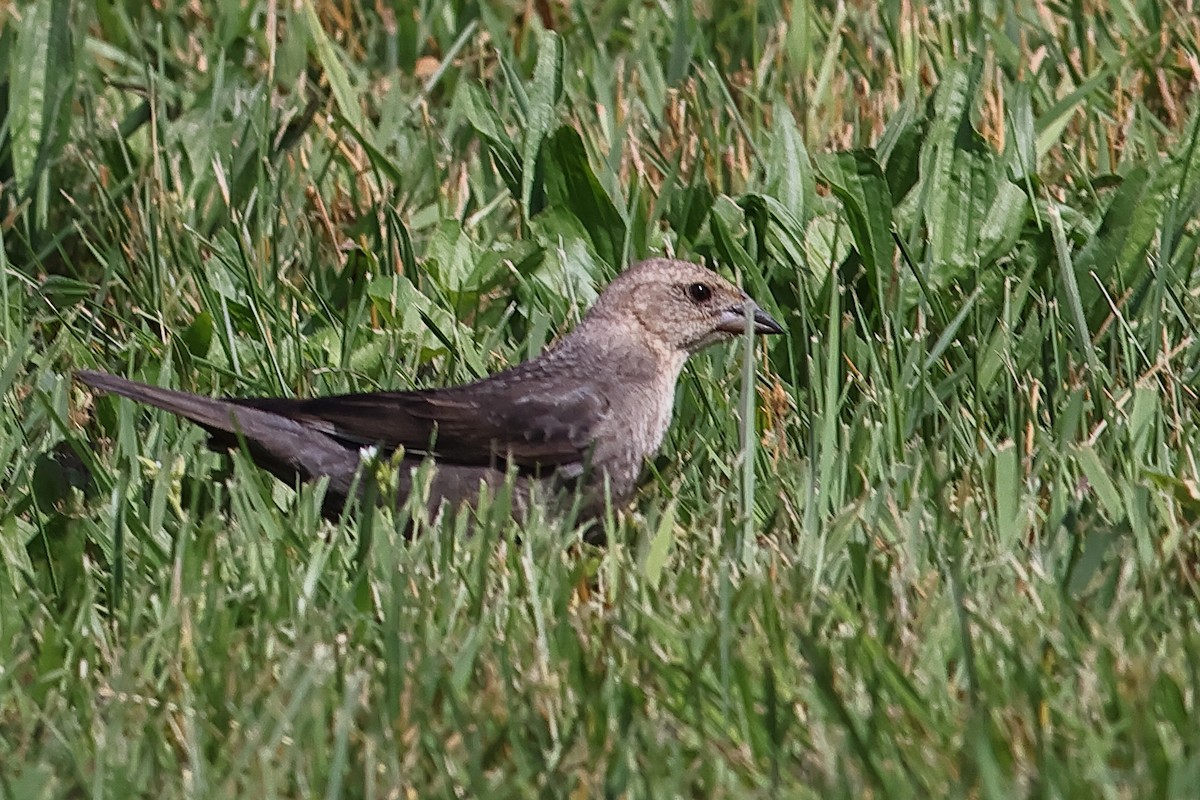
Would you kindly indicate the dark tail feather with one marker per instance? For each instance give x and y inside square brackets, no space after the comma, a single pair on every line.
[215,415]
[289,449]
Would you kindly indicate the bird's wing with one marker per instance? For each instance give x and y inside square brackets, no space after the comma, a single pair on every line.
[479,424]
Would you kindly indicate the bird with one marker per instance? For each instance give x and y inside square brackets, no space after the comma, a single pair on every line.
[580,419]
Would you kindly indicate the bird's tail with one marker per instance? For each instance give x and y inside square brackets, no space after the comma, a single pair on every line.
[212,413]
[286,447]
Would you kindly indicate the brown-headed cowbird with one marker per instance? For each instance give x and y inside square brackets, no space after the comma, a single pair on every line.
[585,414]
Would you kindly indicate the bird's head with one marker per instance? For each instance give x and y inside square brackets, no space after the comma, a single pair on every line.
[685,306]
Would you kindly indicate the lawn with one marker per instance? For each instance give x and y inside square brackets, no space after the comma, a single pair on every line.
[939,540]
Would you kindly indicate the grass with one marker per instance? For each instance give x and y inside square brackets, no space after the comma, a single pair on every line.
[943,543]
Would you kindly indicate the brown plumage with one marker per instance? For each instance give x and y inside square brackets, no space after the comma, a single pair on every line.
[586,413]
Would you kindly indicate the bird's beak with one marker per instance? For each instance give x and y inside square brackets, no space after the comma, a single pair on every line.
[733,320]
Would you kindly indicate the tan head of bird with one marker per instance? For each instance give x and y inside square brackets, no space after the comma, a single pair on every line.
[684,305]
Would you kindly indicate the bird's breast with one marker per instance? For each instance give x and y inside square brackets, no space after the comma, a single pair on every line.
[634,431]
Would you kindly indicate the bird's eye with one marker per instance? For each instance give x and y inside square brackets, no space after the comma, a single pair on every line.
[699,292]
